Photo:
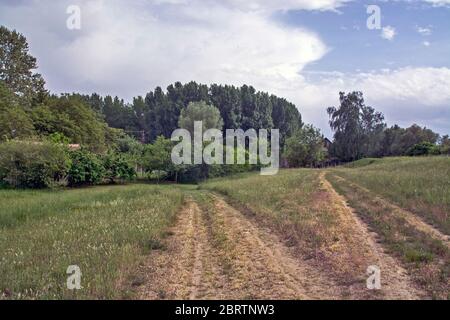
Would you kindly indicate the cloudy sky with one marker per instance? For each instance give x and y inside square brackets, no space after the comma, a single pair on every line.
[304,50]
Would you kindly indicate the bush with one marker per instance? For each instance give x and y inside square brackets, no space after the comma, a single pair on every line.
[305,147]
[86,168]
[445,149]
[32,164]
[423,149]
[117,168]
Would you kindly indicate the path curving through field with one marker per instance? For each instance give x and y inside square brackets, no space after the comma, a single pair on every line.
[247,262]
[217,252]
[409,217]
[396,282]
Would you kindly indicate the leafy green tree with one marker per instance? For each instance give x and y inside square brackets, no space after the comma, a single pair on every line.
[200,111]
[305,147]
[158,113]
[17,65]
[227,100]
[423,149]
[157,157]
[140,126]
[159,117]
[263,112]
[398,141]
[7,97]
[355,126]
[445,144]
[285,117]
[86,168]
[194,92]
[71,116]
[248,105]
[95,101]
[15,123]
[33,164]
[117,168]
[58,138]
[129,145]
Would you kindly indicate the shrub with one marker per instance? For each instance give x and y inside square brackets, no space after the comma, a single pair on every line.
[33,164]
[445,149]
[424,148]
[86,168]
[117,168]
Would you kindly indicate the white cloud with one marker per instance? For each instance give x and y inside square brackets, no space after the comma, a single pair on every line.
[404,95]
[426,43]
[388,33]
[128,48]
[439,3]
[271,5]
[424,31]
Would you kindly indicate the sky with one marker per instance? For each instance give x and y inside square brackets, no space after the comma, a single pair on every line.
[304,50]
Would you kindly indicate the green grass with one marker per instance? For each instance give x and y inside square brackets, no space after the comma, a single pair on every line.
[428,259]
[421,185]
[294,204]
[283,199]
[362,163]
[106,231]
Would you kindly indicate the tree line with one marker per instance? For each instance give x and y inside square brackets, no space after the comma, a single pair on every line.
[76,139]
[360,131]
[39,130]
[157,113]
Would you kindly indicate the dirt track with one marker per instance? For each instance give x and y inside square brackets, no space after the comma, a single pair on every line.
[410,217]
[396,283]
[217,252]
[248,264]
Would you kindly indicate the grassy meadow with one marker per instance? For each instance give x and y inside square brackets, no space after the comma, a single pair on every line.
[293,202]
[295,205]
[104,230]
[421,185]
[109,230]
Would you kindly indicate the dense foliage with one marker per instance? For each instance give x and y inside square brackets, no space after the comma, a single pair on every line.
[360,131]
[200,111]
[16,68]
[118,139]
[33,164]
[86,168]
[355,125]
[158,113]
[423,149]
[305,147]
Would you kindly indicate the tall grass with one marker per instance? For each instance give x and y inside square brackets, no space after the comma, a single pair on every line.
[294,204]
[428,259]
[421,185]
[104,230]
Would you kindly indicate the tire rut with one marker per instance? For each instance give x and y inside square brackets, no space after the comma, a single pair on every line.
[253,265]
[396,283]
[178,271]
[263,268]
[410,217]
[219,253]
